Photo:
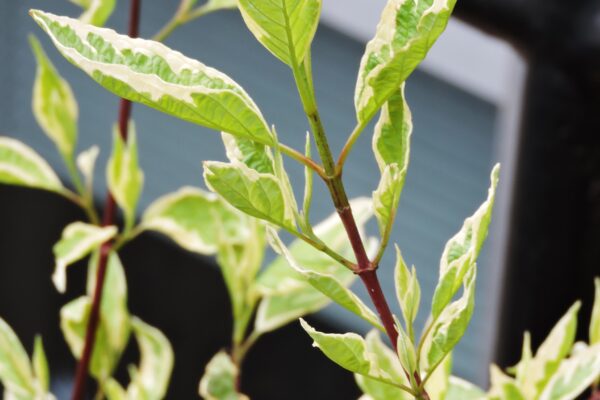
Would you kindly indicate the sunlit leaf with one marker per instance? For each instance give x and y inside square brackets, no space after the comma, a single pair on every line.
[54,105]
[40,364]
[150,73]
[285,27]
[595,319]
[462,250]
[405,33]
[257,194]
[195,219]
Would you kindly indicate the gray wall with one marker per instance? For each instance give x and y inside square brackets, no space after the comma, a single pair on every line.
[451,154]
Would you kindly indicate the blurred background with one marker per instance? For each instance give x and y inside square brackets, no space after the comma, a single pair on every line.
[501,85]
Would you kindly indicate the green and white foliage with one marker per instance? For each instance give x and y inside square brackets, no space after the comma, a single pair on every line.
[150,379]
[461,251]
[260,195]
[96,12]
[150,73]
[218,381]
[286,28]
[459,389]
[406,32]
[391,146]
[325,283]
[196,220]
[54,105]
[287,295]
[86,162]
[21,165]
[78,240]
[22,378]
[114,328]
[559,370]
[123,174]
[408,291]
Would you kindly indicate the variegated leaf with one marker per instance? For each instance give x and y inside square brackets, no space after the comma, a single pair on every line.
[459,389]
[286,294]
[574,375]
[462,250]
[150,380]
[326,284]
[123,174]
[150,73]
[255,155]
[408,291]
[78,240]
[388,362]
[285,27]
[219,379]
[557,345]
[114,328]
[257,194]
[406,32]
[16,374]
[347,350]
[86,162]
[391,146]
[96,12]
[195,219]
[54,105]
[449,327]
[503,387]
[20,165]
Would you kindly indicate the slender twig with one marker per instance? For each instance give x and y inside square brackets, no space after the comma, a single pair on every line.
[349,144]
[366,270]
[109,217]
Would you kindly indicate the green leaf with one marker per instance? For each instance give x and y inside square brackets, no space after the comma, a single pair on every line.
[96,12]
[150,380]
[285,27]
[40,364]
[438,381]
[257,194]
[124,176]
[21,165]
[16,374]
[326,284]
[286,294]
[549,355]
[405,33]
[218,381]
[347,350]
[220,4]
[408,291]
[595,319]
[574,375]
[114,328]
[54,105]
[459,389]
[78,240]
[195,219]
[449,327]
[391,146]
[150,73]
[462,250]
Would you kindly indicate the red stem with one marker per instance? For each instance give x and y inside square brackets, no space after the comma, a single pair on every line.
[108,218]
[371,282]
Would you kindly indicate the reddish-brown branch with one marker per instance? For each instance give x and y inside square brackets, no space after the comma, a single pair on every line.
[108,218]
[371,282]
